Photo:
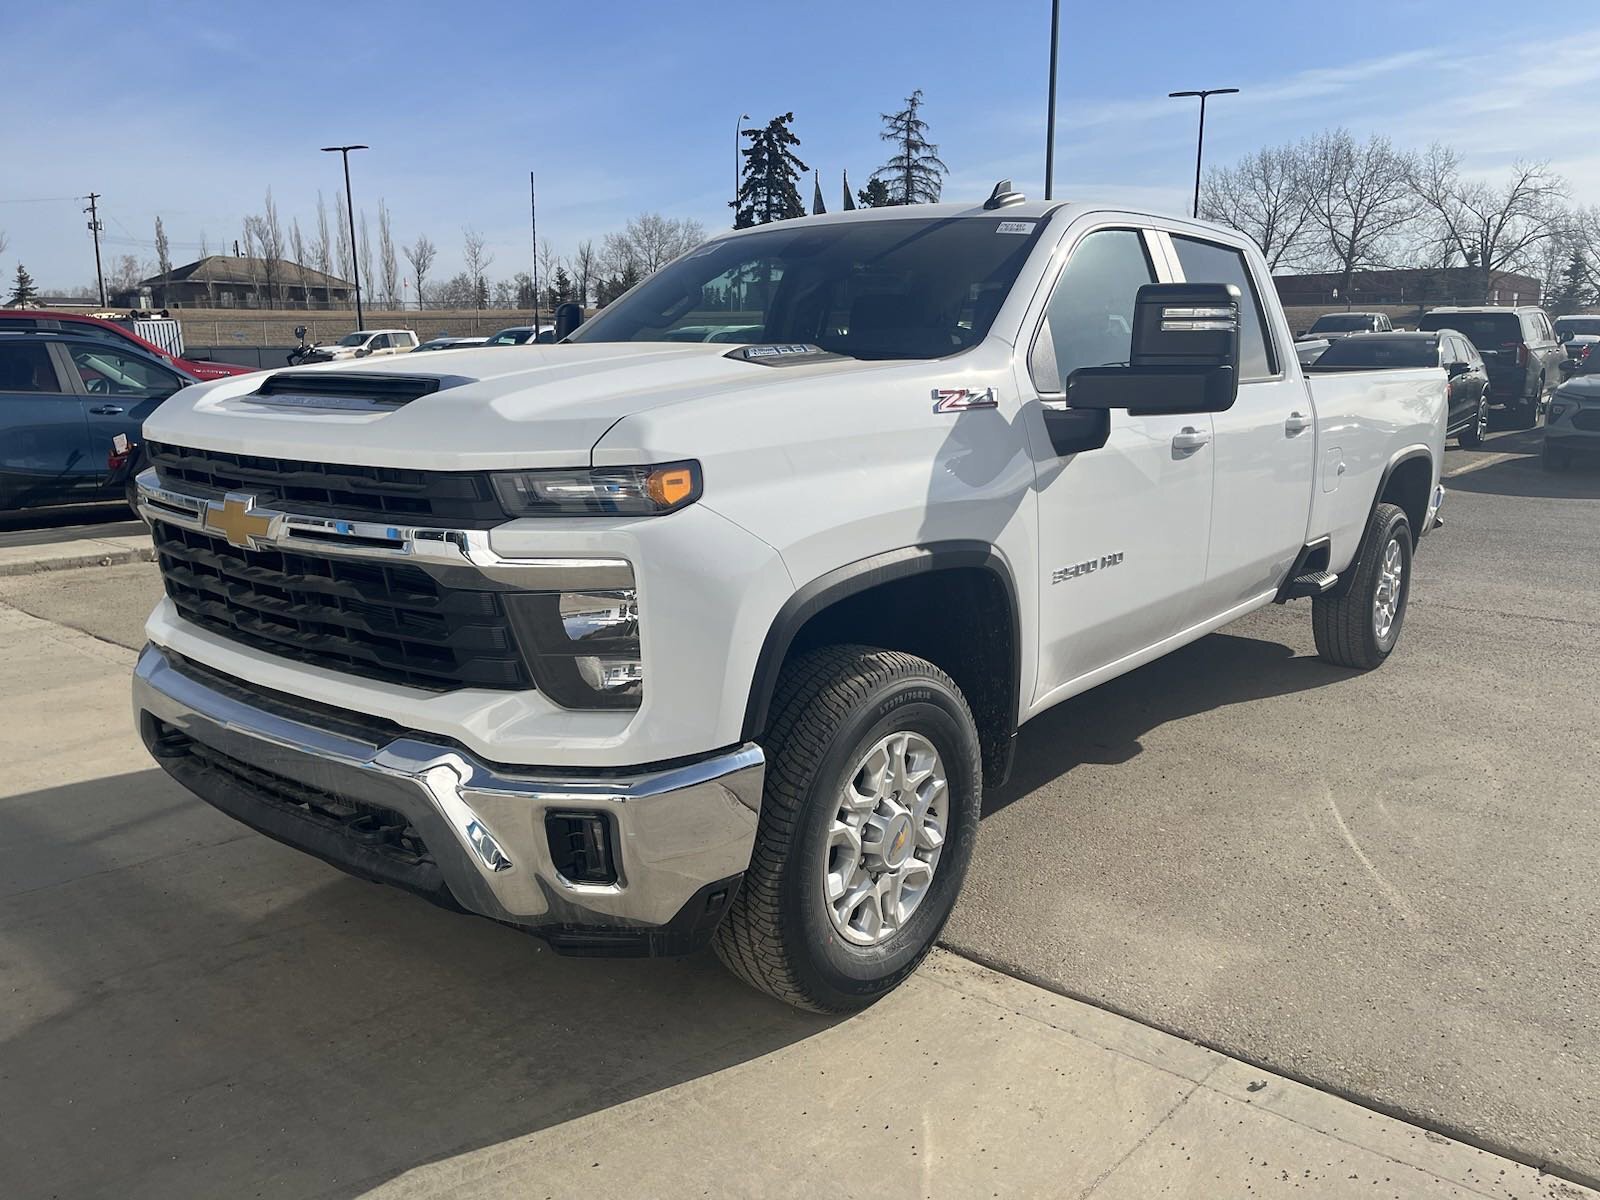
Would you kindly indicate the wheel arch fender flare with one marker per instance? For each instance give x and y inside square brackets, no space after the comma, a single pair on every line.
[853,578]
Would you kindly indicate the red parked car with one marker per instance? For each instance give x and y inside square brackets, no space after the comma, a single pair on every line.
[111,331]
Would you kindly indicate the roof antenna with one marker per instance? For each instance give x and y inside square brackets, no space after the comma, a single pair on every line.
[1003,196]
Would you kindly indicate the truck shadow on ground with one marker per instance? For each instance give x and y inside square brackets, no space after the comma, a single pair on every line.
[1525,476]
[229,1017]
[219,1015]
[1104,724]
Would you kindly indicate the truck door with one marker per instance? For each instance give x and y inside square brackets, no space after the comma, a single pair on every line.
[1123,528]
[1265,449]
[44,437]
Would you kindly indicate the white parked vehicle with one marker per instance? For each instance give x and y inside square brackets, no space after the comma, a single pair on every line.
[365,343]
[636,642]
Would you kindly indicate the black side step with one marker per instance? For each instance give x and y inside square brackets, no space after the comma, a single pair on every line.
[1313,583]
[1309,576]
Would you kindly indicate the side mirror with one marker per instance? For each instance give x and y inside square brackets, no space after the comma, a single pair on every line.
[362,351]
[1185,356]
[568,317]
[300,332]
[1457,368]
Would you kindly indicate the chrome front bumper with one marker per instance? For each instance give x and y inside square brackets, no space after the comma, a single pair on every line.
[682,835]
[1435,506]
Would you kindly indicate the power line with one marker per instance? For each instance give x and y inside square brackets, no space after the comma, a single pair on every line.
[42,200]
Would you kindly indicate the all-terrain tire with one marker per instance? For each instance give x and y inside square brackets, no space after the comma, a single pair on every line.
[1345,625]
[831,706]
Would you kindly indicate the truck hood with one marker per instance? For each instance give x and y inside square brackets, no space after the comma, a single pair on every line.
[496,409]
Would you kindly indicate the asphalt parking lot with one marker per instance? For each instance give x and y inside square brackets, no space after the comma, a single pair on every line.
[1385,885]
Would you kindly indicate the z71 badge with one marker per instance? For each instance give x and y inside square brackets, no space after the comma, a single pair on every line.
[961,399]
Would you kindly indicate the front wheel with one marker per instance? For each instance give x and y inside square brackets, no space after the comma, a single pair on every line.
[1360,626]
[867,825]
[1472,436]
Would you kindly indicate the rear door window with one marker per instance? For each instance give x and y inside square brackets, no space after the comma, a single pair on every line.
[25,367]
[1207,262]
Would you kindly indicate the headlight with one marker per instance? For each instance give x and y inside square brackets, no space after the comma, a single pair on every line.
[583,646]
[600,491]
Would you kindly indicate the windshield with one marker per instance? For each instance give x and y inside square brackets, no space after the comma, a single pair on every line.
[906,288]
[1486,331]
[1341,323]
[1569,326]
[1376,350]
[354,339]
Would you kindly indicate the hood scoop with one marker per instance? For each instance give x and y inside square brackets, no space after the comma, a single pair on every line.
[342,390]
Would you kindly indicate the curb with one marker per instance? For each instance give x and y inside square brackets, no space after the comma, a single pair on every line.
[66,562]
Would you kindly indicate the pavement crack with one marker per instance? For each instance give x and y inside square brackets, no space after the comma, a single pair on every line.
[1150,1133]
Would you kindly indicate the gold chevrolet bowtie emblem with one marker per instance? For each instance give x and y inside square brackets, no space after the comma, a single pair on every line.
[235,518]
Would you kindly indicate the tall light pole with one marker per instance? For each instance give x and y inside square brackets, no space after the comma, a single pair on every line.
[350,212]
[738,129]
[1050,118]
[1200,142]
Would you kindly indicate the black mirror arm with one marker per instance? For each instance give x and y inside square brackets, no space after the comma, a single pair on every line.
[1074,430]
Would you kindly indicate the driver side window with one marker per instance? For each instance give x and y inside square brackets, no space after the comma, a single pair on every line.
[1089,320]
[108,372]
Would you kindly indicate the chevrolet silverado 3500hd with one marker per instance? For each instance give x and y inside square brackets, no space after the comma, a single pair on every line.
[711,621]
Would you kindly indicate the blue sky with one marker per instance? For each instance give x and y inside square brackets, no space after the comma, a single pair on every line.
[191,110]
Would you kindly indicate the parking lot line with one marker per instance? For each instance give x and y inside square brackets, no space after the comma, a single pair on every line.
[1487,461]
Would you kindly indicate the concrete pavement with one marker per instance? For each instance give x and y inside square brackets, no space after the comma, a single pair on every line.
[193,1011]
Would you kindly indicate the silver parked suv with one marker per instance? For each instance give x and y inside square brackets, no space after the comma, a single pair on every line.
[1573,423]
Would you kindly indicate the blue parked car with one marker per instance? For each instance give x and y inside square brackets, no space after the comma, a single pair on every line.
[71,409]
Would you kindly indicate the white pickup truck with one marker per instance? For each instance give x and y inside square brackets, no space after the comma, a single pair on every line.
[711,621]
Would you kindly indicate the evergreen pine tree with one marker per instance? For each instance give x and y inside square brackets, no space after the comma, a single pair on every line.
[875,194]
[1576,285]
[915,173]
[767,188]
[23,291]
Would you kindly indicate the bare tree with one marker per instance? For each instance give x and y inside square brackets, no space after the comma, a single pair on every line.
[654,240]
[387,259]
[1264,195]
[1360,197]
[345,251]
[548,262]
[125,274]
[1493,227]
[297,251]
[369,277]
[247,250]
[420,255]
[269,241]
[476,260]
[163,260]
[322,251]
[584,264]
[205,271]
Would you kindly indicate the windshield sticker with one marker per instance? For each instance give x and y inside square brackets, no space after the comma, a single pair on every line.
[961,399]
[1015,226]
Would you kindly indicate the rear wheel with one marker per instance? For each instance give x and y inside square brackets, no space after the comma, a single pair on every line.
[1472,436]
[1360,626]
[1526,414]
[867,825]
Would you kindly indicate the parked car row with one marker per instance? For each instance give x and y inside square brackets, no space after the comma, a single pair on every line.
[366,343]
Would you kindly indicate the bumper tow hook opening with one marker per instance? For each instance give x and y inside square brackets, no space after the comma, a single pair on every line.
[487,849]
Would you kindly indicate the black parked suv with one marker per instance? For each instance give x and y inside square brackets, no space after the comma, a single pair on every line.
[1519,350]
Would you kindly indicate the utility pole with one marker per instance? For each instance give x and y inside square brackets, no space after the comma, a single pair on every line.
[533,221]
[1050,119]
[1200,142]
[95,227]
[350,211]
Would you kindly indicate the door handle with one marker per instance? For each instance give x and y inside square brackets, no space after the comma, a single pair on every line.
[106,410]
[1296,424]
[1189,439]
